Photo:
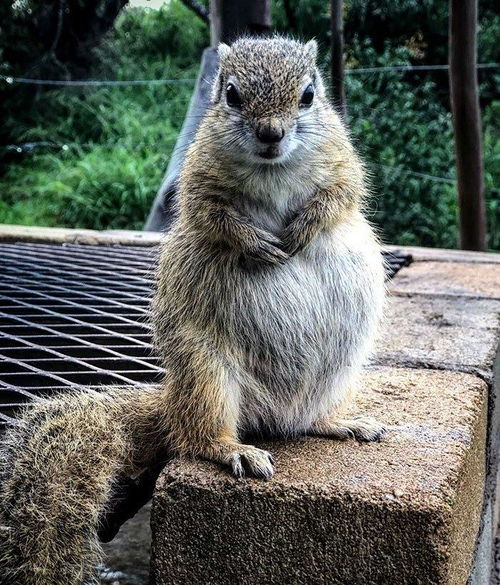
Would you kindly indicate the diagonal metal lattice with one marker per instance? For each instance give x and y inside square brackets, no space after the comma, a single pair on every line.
[73,315]
[77,315]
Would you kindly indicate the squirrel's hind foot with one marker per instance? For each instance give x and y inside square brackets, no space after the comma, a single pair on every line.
[248,460]
[361,428]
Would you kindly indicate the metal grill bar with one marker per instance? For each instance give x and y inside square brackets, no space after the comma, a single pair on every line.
[77,316]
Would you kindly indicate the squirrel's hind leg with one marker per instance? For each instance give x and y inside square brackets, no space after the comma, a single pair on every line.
[203,413]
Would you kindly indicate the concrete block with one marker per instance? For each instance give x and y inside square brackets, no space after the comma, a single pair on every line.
[405,511]
[449,278]
[452,333]
[21,233]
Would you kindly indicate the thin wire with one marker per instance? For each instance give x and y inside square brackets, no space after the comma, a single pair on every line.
[416,173]
[29,147]
[106,82]
[426,176]
[413,68]
[93,82]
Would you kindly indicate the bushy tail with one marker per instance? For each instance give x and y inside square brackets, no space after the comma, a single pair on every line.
[58,468]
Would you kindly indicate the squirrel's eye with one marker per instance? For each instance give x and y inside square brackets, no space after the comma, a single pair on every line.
[307,96]
[232,96]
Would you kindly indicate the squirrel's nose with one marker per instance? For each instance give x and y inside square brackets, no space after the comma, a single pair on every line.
[269,133]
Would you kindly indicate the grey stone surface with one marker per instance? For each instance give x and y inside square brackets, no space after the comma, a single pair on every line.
[446,255]
[484,555]
[453,333]
[495,577]
[475,280]
[401,512]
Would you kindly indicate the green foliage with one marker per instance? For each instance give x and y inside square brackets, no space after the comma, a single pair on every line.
[119,139]
[406,137]
[400,121]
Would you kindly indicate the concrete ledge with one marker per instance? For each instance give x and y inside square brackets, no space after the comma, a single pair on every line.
[446,255]
[432,331]
[476,280]
[20,233]
[404,511]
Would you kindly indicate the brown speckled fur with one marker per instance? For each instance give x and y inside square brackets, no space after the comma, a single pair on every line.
[270,287]
[57,470]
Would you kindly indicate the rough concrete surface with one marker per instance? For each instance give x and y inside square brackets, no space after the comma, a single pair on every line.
[404,511]
[21,233]
[449,278]
[451,333]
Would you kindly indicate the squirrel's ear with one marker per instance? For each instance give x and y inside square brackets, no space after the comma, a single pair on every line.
[223,51]
[311,50]
[217,87]
[318,83]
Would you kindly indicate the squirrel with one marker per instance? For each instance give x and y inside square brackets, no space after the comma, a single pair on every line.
[270,287]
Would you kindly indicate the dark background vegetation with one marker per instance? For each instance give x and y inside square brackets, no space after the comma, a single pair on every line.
[94,156]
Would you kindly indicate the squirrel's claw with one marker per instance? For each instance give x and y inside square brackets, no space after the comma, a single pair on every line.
[367,429]
[291,244]
[266,253]
[253,462]
[269,254]
[361,428]
[268,249]
[237,466]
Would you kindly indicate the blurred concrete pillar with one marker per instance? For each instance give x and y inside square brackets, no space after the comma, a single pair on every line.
[163,210]
[228,20]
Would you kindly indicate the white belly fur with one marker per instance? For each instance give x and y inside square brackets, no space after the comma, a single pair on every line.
[291,338]
[304,333]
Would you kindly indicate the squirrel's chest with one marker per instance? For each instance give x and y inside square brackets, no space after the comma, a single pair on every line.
[273,200]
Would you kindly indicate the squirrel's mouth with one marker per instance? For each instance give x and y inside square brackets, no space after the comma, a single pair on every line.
[271,152]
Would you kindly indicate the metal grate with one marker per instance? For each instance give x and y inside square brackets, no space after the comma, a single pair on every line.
[71,316]
[77,315]
[394,261]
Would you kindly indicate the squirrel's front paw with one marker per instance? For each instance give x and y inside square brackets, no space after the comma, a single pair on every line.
[292,241]
[248,460]
[267,249]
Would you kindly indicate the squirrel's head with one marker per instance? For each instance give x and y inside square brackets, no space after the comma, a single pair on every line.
[268,97]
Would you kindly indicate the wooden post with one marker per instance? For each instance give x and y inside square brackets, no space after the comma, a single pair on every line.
[337,55]
[230,19]
[467,123]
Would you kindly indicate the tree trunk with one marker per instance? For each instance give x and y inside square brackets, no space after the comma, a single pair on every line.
[230,19]
[467,124]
